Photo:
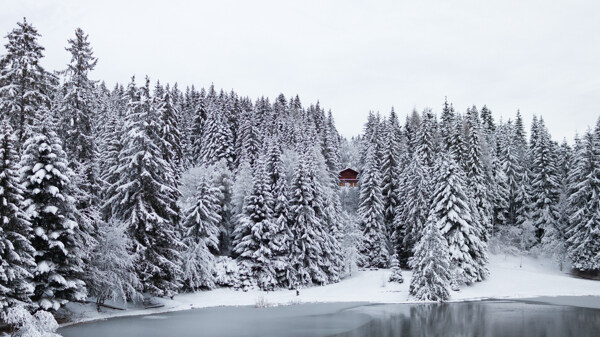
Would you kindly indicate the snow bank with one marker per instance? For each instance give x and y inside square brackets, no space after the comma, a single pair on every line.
[510,277]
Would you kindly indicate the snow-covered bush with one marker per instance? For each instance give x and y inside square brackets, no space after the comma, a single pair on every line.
[40,324]
[262,302]
[226,272]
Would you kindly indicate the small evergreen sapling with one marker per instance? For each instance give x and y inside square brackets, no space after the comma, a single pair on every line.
[396,275]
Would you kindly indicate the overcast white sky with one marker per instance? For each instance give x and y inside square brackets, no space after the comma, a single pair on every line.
[542,57]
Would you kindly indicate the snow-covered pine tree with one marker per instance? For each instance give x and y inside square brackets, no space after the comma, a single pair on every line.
[253,235]
[453,213]
[396,275]
[280,242]
[311,254]
[425,145]
[16,252]
[544,184]
[170,133]
[447,125]
[391,170]
[77,113]
[583,243]
[223,180]
[142,198]
[476,175]
[25,86]
[527,237]
[410,218]
[201,236]
[249,138]
[351,243]
[242,187]
[46,179]
[431,264]
[374,249]
[217,138]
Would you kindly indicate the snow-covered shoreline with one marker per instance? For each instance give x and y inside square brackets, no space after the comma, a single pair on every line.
[510,278]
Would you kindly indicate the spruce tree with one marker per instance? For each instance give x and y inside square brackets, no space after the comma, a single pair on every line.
[201,236]
[390,170]
[25,86]
[311,252]
[476,176]
[544,184]
[16,252]
[46,179]
[583,243]
[453,213]
[410,219]
[431,265]
[77,114]
[281,212]
[253,236]
[396,275]
[142,198]
[374,249]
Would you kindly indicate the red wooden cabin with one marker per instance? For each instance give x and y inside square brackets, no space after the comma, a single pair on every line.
[349,177]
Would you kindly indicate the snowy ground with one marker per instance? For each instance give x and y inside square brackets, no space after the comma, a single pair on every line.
[507,279]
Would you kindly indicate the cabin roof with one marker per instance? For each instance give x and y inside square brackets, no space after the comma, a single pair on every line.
[348,170]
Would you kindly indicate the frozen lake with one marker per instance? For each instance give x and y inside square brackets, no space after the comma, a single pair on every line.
[486,318]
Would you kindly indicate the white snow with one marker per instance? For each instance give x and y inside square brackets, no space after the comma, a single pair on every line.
[536,277]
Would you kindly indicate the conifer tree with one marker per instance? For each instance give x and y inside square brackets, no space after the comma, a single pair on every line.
[142,198]
[374,249]
[452,212]
[390,170]
[281,212]
[25,86]
[583,235]
[411,221]
[544,184]
[396,275]
[431,265]
[311,252]
[476,177]
[46,179]
[201,236]
[16,252]
[77,114]
[253,235]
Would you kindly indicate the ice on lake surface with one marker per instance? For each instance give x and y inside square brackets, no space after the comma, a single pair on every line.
[486,318]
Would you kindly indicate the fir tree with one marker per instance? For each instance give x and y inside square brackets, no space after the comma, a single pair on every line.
[311,254]
[48,202]
[142,198]
[583,243]
[544,184]
[25,86]
[253,236]
[431,265]
[201,236]
[410,220]
[16,252]
[374,250]
[475,172]
[452,212]
[396,275]
[390,170]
